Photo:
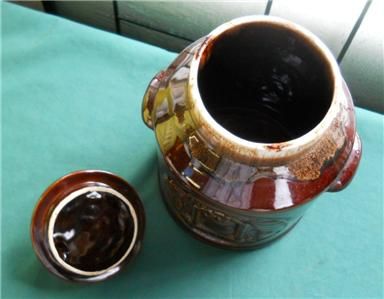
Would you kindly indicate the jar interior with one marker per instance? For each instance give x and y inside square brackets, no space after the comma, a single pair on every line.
[265,83]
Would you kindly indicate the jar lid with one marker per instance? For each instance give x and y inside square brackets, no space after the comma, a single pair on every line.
[87,225]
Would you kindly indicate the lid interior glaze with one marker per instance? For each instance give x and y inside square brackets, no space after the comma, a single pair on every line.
[87,225]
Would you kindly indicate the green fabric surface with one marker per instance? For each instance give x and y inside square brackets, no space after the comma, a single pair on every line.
[71,99]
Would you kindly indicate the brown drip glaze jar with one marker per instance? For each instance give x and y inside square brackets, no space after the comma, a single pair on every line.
[253,122]
[87,225]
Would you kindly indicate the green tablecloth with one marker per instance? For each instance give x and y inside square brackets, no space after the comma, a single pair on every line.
[71,100]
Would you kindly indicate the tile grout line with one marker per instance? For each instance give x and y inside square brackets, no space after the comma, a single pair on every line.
[116,15]
[268,7]
[49,7]
[153,29]
[353,32]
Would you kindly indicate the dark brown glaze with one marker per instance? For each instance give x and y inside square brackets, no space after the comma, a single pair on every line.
[349,169]
[258,222]
[258,211]
[265,83]
[264,190]
[91,232]
[222,225]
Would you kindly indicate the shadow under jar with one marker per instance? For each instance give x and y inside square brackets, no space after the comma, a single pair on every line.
[253,122]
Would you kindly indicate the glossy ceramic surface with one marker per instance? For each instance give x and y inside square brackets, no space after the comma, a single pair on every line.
[87,225]
[250,129]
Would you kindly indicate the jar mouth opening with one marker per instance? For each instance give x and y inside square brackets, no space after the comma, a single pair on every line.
[264,82]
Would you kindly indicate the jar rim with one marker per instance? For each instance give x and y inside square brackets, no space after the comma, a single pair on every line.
[251,150]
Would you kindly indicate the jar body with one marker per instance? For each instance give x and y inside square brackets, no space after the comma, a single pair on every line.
[229,191]
[221,225]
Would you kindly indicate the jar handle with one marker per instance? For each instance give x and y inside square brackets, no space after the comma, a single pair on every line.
[349,169]
[149,99]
